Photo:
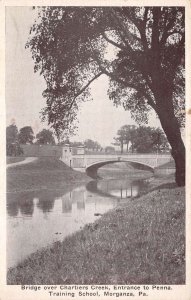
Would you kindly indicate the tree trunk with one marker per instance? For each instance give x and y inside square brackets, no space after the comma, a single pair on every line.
[121,147]
[172,130]
[132,147]
[127,145]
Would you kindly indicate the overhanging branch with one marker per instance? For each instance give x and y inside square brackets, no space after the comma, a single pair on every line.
[123,82]
[121,47]
[132,86]
[84,88]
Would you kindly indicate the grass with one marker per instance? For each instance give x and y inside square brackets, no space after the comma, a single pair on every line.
[51,173]
[168,165]
[123,170]
[139,243]
[136,174]
[43,173]
[11,159]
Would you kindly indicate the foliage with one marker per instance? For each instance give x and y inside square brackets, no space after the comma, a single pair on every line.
[11,134]
[159,140]
[26,135]
[92,145]
[70,48]
[125,135]
[69,44]
[149,139]
[63,141]
[109,149]
[142,139]
[76,144]
[12,146]
[45,137]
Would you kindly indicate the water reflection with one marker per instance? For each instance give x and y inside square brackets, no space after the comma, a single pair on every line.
[37,219]
[122,189]
[67,203]
[46,201]
[23,203]
[27,206]
[20,203]
[13,209]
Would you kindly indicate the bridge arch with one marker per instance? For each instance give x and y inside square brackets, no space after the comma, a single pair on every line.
[92,169]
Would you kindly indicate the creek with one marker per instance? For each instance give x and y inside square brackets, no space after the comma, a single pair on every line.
[36,219]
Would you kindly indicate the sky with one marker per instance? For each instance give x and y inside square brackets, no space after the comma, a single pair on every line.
[98,119]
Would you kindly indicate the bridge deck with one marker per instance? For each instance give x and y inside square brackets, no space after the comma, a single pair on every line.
[84,161]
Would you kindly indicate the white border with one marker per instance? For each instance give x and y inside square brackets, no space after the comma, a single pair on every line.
[180,292]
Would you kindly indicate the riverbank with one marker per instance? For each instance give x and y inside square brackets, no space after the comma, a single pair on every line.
[43,173]
[141,242]
[12,159]
[123,170]
[49,173]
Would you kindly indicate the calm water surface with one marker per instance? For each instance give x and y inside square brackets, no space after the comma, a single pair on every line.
[37,219]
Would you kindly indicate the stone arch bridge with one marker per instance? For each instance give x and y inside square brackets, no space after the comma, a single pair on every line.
[77,159]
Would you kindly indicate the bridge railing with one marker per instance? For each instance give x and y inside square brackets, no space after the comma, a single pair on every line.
[87,152]
[151,160]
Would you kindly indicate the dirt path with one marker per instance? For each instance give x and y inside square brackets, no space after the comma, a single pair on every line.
[23,162]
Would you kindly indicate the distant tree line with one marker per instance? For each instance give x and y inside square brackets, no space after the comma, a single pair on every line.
[142,139]
[129,138]
[15,137]
[89,144]
[24,136]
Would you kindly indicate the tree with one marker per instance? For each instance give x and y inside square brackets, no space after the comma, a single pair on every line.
[64,141]
[11,134]
[12,146]
[119,141]
[45,137]
[26,135]
[125,135]
[109,149]
[68,46]
[92,145]
[76,144]
[149,139]
[159,140]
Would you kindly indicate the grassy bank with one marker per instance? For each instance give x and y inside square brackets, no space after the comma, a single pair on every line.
[43,173]
[139,243]
[51,173]
[11,159]
[123,170]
